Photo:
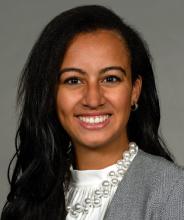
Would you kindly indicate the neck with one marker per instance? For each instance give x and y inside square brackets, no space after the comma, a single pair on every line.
[94,158]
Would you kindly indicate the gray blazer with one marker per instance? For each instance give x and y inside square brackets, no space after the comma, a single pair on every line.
[152,189]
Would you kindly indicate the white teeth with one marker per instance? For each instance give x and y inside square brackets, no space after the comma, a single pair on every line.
[91,120]
[97,120]
[94,119]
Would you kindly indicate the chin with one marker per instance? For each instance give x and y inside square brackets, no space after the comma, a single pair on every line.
[92,143]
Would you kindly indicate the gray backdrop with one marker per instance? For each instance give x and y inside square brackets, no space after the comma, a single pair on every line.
[160,22]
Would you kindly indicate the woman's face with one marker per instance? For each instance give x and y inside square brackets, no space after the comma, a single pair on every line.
[95,91]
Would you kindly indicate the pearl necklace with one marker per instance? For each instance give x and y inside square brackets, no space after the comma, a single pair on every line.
[103,192]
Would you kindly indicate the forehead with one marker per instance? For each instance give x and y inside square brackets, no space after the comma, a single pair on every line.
[104,45]
[99,37]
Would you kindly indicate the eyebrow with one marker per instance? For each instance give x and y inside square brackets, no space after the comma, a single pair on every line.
[102,71]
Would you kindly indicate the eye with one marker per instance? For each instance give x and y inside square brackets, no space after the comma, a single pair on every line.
[112,79]
[72,81]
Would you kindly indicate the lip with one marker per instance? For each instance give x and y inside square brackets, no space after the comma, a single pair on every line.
[95,126]
[86,114]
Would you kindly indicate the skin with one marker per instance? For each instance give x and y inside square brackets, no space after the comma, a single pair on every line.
[96,79]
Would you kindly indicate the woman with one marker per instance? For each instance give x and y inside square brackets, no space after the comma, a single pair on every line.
[87,145]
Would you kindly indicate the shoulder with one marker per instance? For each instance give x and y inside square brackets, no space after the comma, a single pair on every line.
[163,183]
[156,167]
[157,172]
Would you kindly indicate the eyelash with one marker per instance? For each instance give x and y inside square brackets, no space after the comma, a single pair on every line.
[108,79]
[68,81]
[117,79]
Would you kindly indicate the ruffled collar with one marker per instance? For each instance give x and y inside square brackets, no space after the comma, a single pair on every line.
[90,177]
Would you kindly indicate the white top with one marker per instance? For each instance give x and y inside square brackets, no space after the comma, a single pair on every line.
[83,184]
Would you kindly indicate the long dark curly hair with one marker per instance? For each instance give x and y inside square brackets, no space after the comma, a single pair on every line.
[42,162]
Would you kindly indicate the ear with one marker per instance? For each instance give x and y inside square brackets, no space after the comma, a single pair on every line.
[136,90]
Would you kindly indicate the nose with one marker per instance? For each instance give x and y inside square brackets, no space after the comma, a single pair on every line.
[93,96]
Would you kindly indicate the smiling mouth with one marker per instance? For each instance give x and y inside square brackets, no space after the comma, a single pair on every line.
[92,120]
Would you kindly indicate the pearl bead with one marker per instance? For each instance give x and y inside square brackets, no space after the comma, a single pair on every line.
[68,208]
[111,173]
[124,163]
[74,213]
[115,181]
[126,159]
[97,202]
[132,151]
[87,201]
[78,207]
[105,183]
[121,172]
[126,155]
[98,193]
[86,210]
[132,144]
[120,162]
[125,168]
[106,193]
[127,163]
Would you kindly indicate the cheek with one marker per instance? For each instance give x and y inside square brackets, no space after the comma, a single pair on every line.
[66,103]
[121,100]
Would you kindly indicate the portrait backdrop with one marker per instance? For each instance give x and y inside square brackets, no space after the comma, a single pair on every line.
[159,22]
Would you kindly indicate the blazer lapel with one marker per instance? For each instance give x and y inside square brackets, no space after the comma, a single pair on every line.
[125,196]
